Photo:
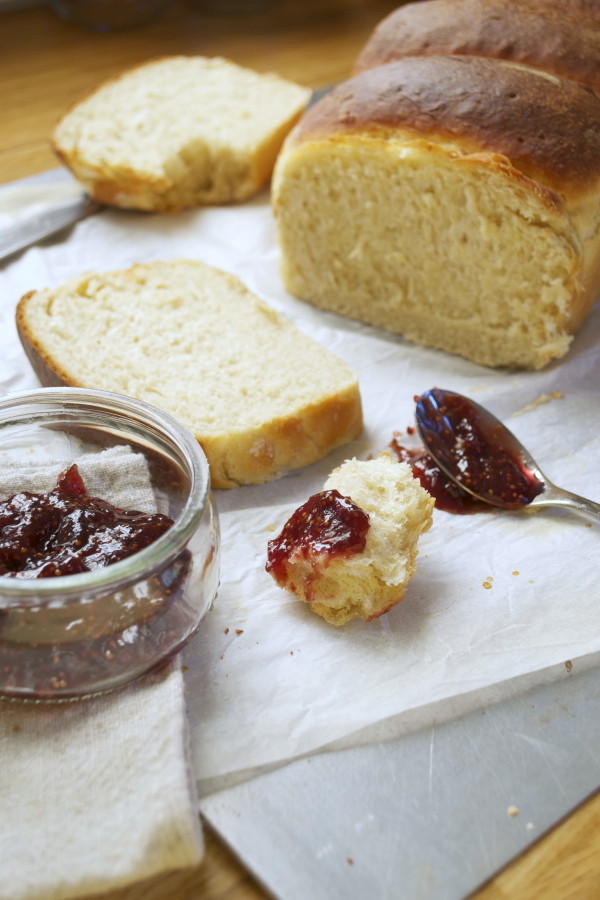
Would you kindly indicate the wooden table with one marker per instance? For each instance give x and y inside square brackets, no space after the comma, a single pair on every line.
[47,64]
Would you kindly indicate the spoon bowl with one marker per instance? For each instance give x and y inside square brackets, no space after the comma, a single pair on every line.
[480,454]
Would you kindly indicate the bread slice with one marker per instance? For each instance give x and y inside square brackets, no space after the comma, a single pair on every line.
[260,396]
[366,585]
[177,132]
[455,200]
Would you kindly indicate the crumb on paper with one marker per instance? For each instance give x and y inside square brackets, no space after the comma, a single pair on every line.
[16,728]
[513,811]
[486,585]
[239,630]
[291,652]
[543,398]
[515,572]
[568,665]
[531,581]
[489,578]
[529,826]
[588,524]
[226,631]
[349,860]
[221,657]
[270,528]
[184,668]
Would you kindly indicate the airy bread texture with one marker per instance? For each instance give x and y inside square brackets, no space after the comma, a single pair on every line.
[366,585]
[260,396]
[454,200]
[177,132]
[544,38]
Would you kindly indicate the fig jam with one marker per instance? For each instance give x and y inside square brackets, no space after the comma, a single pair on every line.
[446,493]
[477,448]
[325,527]
[66,532]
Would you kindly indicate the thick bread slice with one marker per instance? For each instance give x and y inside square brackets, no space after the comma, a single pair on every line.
[178,132]
[260,396]
[366,585]
[544,38]
[455,200]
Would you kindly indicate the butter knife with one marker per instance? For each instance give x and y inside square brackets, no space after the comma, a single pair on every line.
[41,226]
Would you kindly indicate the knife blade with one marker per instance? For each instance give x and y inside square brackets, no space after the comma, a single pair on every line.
[41,226]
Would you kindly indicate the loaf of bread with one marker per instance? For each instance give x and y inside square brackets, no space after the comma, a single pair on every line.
[369,583]
[454,200]
[177,132]
[549,40]
[260,396]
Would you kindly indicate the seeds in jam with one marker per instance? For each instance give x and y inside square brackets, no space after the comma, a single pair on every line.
[325,527]
[66,532]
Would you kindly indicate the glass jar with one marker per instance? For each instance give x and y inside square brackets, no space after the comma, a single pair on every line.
[75,635]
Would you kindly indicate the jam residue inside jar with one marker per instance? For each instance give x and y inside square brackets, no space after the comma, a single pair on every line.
[446,493]
[66,531]
[325,527]
[482,452]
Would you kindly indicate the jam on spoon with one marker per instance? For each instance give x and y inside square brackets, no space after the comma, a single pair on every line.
[66,531]
[476,450]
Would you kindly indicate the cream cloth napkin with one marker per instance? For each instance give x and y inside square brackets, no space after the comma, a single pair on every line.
[98,793]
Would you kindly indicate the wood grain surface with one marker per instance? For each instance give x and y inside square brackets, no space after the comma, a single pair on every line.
[46,65]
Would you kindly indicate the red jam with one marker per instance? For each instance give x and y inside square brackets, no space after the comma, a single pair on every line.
[446,493]
[66,531]
[482,452]
[326,526]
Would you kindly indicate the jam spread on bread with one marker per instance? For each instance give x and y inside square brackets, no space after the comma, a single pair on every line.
[66,532]
[325,527]
[471,443]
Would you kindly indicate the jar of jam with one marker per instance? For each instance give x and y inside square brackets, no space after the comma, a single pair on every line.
[73,635]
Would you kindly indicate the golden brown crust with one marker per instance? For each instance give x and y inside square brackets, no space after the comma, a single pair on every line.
[541,37]
[253,457]
[549,128]
[588,8]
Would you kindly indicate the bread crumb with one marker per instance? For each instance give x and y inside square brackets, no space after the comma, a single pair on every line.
[489,578]
[16,728]
[226,631]
[221,657]
[270,528]
[588,524]
[350,861]
[184,668]
[543,398]
[515,572]
[568,665]
[239,630]
[291,652]
[487,585]
[513,811]
[529,826]
[531,582]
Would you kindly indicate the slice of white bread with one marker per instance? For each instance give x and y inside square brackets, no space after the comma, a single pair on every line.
[260,396]
[177,132]
[366,585]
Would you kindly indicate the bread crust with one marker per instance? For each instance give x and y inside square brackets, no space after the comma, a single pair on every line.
[561,44]
[253,456]
[548,127]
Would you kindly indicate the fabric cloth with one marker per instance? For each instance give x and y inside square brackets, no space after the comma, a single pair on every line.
[97,793]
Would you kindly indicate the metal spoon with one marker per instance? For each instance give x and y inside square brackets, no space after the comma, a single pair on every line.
[481,455]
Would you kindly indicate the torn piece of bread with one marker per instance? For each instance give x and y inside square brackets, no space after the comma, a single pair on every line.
[261,397]
[545,38]
[363,584]
[177,132]
[454,200]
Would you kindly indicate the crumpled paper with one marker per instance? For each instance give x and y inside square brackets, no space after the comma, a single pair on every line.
[268,680]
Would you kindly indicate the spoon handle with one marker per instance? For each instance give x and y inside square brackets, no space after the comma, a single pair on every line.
[554,496]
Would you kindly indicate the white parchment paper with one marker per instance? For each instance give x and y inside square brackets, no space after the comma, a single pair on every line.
[268,680]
